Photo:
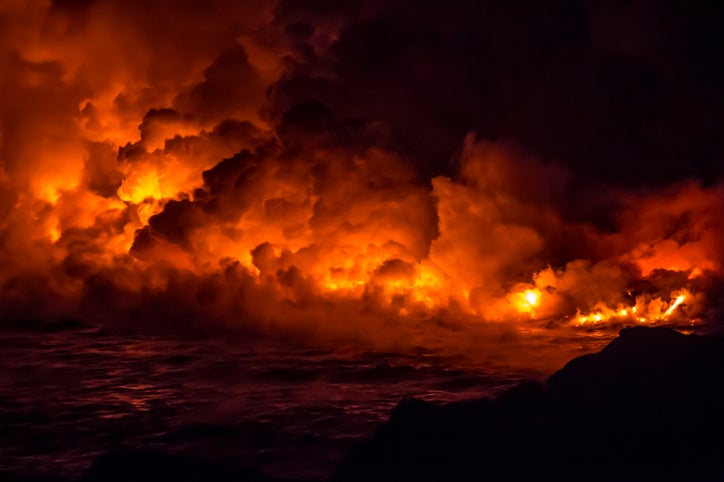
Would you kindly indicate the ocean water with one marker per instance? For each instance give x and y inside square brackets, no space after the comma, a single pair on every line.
[285,410]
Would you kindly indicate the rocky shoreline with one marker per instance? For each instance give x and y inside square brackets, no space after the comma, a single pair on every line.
[649,406]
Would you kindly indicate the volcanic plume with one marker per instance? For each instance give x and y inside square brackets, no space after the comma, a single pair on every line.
[357,169]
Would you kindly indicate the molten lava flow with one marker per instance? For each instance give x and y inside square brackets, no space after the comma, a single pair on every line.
[679,299]
[644,311]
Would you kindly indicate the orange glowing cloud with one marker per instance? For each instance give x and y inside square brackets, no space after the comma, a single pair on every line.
[161,175]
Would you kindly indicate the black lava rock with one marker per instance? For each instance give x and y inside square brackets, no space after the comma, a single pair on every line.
[648,407]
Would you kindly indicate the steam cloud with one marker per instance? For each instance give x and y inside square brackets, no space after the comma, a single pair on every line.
[362,170]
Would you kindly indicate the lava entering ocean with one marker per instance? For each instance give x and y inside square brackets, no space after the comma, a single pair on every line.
[141,184]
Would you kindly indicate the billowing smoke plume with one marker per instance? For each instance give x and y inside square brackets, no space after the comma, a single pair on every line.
[364,170]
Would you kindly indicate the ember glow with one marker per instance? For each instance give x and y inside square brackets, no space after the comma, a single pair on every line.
[187,179]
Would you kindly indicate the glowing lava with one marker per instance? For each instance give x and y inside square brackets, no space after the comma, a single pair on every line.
[644,311]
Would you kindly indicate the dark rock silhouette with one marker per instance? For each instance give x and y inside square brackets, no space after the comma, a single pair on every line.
[128,465]
[12,477]
[650,406]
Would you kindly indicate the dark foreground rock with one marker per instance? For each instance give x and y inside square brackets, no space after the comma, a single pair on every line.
[126,465]
[649,407]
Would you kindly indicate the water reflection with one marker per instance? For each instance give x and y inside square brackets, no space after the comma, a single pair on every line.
[67,397]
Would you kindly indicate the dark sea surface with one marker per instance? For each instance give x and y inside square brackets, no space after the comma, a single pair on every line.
[68,396]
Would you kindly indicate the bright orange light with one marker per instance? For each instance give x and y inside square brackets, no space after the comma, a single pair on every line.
[54,233]
[141,186]
[649,310]
[679,299]
[525,301]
